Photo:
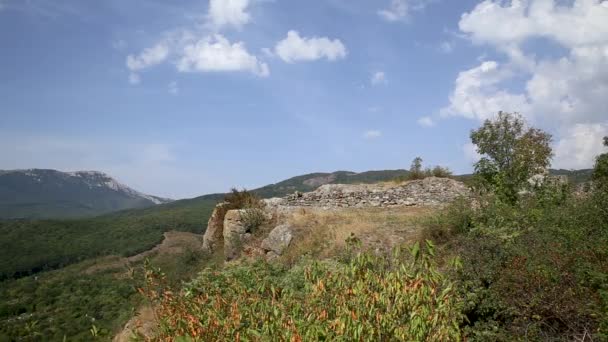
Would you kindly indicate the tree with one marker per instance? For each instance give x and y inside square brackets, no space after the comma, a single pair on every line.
[416,171]
[442,172]
[600,170]
[511,153]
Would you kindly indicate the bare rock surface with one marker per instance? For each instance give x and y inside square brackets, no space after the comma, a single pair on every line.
[278,239]
[234,233]
[215,228]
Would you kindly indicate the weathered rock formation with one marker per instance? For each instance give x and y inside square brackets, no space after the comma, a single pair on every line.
[214,235]
[277,241]
[235,233]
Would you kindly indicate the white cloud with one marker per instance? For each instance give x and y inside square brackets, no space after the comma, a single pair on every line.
[215,53]
[503,24]
[573,88]
[378,77]
[228,13]
[398,10]
[296,49]
[148,57]
[372,134]
[579,146]
[565,94]
[476,93]
[426,121]
[173,88]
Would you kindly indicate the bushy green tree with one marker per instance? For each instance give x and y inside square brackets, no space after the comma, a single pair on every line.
[600,171]
[416,171]
[511,152]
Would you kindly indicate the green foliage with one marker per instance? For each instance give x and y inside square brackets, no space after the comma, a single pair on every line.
[442,172]
[455,219]
[511,154]
[253,215]
[600,171]
[58,304]
[70,301]
[303,184]
[533,270]
[28,247]
[369,297]
[416,171]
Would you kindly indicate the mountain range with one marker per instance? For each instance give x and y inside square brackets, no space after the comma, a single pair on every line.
[43,194]
[38,193]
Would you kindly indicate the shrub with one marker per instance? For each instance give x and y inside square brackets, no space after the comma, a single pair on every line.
[456,218]
[442,172]
[253,215]
[536,269]
[370,297]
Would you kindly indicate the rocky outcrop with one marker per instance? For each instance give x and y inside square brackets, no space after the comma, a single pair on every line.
[277,241]
[235,233]
[430,191]
[227,226]
[215,228]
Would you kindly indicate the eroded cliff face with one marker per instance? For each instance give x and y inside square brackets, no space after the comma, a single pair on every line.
[226,227]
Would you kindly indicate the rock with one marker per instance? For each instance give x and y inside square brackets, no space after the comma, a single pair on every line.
[270,255]
[234,233]
[431,191]
[278,239]
[215,228]
[273,202]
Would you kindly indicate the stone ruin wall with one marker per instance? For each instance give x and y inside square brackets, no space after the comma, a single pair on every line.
[225,227]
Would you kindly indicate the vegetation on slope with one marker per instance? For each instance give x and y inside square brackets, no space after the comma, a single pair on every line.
[310,182]
[28,247]
[361,297]
[51,244]
[99,293]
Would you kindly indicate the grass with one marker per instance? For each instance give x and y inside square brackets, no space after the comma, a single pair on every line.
[323,232]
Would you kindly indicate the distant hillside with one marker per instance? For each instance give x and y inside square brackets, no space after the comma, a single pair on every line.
[574,176]
[38,194]
[52,244]
[312,181]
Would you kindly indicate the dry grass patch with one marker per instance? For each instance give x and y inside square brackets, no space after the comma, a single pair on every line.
[322,233]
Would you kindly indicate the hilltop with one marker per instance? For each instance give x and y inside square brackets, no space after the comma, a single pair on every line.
[40,194]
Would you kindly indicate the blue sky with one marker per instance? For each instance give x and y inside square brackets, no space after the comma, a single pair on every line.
[183,98]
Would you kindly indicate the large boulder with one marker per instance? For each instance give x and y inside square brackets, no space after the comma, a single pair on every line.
[278,240]
[215,228]
[235,232]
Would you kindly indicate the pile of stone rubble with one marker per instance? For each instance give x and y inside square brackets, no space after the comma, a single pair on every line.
[430,191]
